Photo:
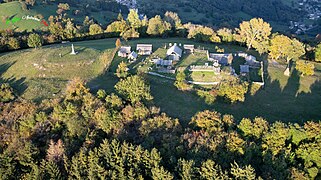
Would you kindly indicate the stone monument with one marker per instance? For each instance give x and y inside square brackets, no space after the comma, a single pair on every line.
[73,50]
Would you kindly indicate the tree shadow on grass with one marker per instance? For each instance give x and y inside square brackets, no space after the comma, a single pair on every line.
[272,103]
[18,85]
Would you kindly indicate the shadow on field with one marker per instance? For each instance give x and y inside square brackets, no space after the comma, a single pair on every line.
[18,84]
[272,103]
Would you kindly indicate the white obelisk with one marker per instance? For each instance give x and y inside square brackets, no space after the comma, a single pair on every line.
[73,50]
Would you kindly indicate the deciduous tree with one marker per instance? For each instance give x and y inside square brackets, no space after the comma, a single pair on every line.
[304,67]
[255,33]
[34,40]
[134,88]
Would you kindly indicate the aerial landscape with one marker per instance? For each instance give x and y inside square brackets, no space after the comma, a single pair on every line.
[143,89]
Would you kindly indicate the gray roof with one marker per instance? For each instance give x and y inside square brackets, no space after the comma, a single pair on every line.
[163,62]
[146,47]
[133,54]
[188,46]
[174,49]
[244,68]
[221,58]
[125,49]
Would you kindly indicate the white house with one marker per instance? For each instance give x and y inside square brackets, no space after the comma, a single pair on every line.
[174,53]
[189,48]
[144,49]
[124,51]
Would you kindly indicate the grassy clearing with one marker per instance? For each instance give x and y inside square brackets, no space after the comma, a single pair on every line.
[43,73]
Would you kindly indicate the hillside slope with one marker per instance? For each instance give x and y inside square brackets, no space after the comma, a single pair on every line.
[13,14]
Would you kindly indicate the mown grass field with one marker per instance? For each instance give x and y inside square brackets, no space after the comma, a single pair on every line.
[42,73]
[287,99]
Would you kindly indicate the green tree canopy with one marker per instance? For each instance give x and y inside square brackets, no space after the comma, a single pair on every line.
[134,88]
[157,27]
[34,40]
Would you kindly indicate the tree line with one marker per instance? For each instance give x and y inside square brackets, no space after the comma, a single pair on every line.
[122,135]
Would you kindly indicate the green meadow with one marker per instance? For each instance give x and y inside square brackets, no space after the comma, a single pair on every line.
[41,73]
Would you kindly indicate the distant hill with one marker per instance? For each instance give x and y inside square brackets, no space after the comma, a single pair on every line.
[224,12]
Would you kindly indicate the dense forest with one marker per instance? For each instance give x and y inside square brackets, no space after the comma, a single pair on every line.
[124,136]
[222,12]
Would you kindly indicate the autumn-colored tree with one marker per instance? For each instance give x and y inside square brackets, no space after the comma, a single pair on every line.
[304,67]
[56,151]
[282,47]
[129,34]
[117,27]
[122,70]
[173,19]
[13,43]
[6,93]
[34,40]
[133,19]
[225,34]
[233,90]
[157,27]
[255,33]
[118,43]
[95,29]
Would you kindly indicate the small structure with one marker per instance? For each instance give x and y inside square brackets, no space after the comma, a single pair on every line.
[244,70]
[133,56]
[252,62]
[161,62]
[124,51]
[144,49]
[222,59]
[188,48]
[216,68]
[174,53]
[73,52]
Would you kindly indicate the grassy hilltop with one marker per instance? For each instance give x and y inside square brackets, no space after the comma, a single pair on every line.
[42,73]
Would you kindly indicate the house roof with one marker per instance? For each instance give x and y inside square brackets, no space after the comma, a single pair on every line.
[148,47]
[133,54]
[188,46]
[125,49]
[176,50]
[163,62]
[244,68]
[221,58]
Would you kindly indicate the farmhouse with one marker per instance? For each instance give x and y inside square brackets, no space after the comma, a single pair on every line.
[223,59]
[124,51]
[188,48]
[174,53]
[144,49]
[133,56]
